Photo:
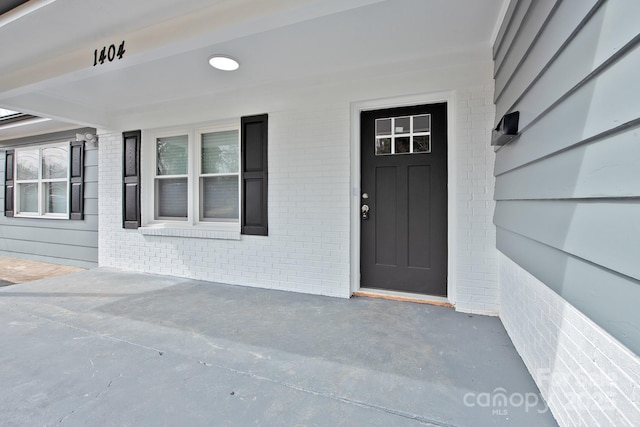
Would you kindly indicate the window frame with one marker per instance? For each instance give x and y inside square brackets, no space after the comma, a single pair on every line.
[157,177]
[199,203]
[40,181]
[194,219]
[393,135]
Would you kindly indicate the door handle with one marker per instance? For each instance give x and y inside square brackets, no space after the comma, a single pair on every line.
[365,211]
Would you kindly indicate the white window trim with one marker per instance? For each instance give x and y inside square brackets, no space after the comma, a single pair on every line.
[40,181]
[193,227]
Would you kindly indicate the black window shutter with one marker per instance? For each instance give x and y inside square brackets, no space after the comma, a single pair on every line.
[131,179]
[76,162]
[8,183]
[254,175]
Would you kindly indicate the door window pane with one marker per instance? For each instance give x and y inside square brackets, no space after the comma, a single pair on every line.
[383,127]
[28,196]
[383,146]
[422,123]
[422,144]
[171,198]
[219,197]
[402,125]
[220,152]
[402,145]
[172,155]
[55,197]
[54,162]
[27,164]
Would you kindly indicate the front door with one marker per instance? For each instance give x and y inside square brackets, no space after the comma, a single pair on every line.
[404,199]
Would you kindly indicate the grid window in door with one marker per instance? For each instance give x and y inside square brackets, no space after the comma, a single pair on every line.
[42,181]
[403,135]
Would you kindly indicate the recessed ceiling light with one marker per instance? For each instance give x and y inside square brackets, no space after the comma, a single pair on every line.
[223,62]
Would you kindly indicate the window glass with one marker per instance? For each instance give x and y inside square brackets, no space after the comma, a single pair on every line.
[172,155]
[421,144]
[401,125]
[220,152]
[422,123]
[171,197]
[383,127]
[402,145]
[28,198]
[220,198]
[54,162]
[383,146]
[55,197]
[27,164]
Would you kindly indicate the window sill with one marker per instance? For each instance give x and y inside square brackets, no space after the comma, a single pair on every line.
[222,232]
[35,216]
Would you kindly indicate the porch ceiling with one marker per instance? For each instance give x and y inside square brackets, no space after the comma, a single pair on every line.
[49,66]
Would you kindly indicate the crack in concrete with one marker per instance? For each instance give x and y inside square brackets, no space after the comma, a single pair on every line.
[97,334]
[85,403]
[422,420]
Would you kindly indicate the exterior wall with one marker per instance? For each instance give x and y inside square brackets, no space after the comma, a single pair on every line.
[307,248]
[567,202]
[586,375]
[311,194]
[68,242]
[477,289]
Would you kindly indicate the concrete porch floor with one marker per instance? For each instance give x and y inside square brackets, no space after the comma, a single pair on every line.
[106,347]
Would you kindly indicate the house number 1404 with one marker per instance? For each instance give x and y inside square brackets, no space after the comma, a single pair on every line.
[108,54]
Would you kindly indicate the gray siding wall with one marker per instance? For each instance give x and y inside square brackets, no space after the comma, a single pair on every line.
[568,188]
[55,240]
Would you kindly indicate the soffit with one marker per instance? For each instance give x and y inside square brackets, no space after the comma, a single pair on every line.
[50,71]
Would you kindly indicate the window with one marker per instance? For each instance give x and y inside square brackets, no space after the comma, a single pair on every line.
[219,176]
[403,135]
[203,183]
[172,155]
[197,176]
[42,181]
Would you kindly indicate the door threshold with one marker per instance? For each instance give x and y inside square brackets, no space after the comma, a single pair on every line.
[403,296]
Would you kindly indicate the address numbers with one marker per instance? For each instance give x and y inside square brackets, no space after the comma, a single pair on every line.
[108,54]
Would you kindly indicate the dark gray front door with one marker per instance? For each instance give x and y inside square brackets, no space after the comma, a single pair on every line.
[404,187]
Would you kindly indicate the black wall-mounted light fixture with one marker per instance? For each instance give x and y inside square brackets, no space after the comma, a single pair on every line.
[506,130]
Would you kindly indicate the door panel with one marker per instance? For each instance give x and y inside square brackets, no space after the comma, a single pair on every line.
[419,216]
[404,176]
[386,244]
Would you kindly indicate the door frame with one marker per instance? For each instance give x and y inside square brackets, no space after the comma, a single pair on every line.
[402,101]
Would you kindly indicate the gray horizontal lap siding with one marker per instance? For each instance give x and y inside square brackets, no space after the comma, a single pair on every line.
[70,242]
[568,187]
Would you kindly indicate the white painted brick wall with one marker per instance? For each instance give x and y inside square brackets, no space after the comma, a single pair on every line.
[477,289]
[587,377]
[307,249]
